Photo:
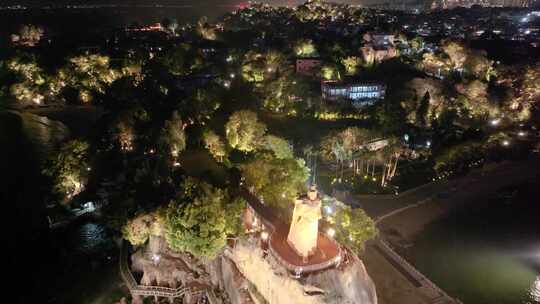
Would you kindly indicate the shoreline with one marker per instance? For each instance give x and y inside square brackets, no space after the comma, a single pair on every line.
[403,228]
[462,191]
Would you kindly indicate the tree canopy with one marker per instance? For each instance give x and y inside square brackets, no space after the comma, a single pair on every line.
[200,219]
[244,131]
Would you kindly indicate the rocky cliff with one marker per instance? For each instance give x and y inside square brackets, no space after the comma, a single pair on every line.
[245,274]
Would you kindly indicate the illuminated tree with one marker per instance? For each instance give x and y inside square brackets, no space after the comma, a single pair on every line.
[417,43]
[89,74]
[457,158]
[30,85]
[279,147]
[476,99]
[288,93]
[479,65]
[244,131]
[330,72]
[530,88]
[28,35]
[69,168]
[181,60]
[200,219]
[138,229]
[348,140]
[204,29]
[305,48]
[215,145]
[277,181]
[353,226]
[351,64]
[456,52]
[426,103]
[173,137]
[254,71]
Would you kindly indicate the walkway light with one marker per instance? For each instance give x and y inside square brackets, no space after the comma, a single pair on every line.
[495,122]
[331,232]
[155,258]
[521,133]
[506,143]
[328,209]
[264,236]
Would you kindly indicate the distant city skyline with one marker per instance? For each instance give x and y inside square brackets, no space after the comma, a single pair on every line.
[371,3]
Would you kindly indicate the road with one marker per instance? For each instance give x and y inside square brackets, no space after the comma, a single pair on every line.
[423,206]
[438,197]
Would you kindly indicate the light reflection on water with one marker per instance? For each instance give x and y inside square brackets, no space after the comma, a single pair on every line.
[534,293]
[43,132]
[91,237]
[483,256]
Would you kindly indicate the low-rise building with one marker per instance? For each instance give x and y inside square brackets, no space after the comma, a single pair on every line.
[307,66]
[360,94]
[378,47]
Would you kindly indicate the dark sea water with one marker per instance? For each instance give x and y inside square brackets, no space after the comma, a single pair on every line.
[73,264]
[488,253]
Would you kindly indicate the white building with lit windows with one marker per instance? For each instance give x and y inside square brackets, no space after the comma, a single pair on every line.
[360,94]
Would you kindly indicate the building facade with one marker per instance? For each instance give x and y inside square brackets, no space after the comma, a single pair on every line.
[378,47]
[308,66]
[360,94]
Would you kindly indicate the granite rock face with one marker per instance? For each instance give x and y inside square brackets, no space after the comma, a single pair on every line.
[348,283]
[245,275]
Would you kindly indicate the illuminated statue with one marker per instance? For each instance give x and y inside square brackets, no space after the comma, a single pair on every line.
[303,232]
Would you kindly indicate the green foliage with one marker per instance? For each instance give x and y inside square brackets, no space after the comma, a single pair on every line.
[278,181]
[305,48]
[456,51]
[173,137]
[88,74]
[253,71]
[330,72]
[201,218]
[289,93]
[30,79]
[244,131]
[215,145]
[353,226]
[351,64]
[69,168]
[475,99]
[340,145]
[28,35]
[204,29]
[181,60]
[458,157]
[138,229]
[279,147]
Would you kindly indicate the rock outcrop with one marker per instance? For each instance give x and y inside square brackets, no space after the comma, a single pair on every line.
[246,274]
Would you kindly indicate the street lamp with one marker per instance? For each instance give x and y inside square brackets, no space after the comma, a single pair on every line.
[331,232]
[495,122]
[506,143]
[155,258]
